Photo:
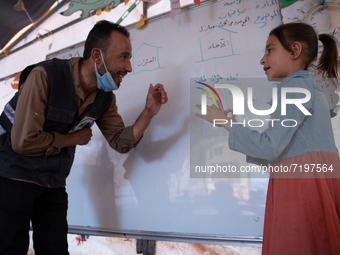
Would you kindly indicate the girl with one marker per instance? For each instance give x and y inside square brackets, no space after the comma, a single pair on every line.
[302,213]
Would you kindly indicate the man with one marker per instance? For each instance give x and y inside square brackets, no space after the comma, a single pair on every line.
[57,103]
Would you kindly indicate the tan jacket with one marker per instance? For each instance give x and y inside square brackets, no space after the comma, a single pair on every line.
[28,136]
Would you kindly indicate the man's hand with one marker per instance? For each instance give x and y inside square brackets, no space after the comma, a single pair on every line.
[80,137]
[155,98]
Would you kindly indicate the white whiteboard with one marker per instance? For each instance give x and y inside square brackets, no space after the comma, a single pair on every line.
[149,190]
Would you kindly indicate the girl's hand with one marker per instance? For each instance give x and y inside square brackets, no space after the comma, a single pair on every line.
[214,113]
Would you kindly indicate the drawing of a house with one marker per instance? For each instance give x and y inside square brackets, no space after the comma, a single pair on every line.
[145,58]
[217,43]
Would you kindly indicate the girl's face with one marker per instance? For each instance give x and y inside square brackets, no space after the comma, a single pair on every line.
[277,61]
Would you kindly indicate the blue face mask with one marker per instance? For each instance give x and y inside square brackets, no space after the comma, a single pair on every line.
[106,81]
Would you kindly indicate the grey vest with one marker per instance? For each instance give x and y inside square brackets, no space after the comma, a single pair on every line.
[61,115]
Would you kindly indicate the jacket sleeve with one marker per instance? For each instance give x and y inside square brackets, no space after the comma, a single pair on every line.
[27,136]
[111,125]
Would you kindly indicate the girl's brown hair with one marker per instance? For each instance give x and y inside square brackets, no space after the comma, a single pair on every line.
[289,33]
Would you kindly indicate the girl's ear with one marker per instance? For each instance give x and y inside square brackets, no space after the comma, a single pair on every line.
[297,50]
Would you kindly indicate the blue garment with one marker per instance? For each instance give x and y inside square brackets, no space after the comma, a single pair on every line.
[312,133]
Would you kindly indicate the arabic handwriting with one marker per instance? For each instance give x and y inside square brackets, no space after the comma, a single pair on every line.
[266,4]
[240,11]
[225,23]
[222,44]
[146,61]
[230,14]
[201,79]
[266,17]
[233,13]
[216,78]
[233,2]
[206,28]
[231,78]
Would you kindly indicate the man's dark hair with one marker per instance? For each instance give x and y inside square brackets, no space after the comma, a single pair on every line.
[100,34]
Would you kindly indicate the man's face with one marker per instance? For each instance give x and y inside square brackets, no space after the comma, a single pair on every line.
[117,57]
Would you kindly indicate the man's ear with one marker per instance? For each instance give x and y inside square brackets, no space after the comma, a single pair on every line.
[297,50]
[96,56]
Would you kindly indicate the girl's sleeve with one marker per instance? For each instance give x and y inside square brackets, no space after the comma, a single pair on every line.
[267,146]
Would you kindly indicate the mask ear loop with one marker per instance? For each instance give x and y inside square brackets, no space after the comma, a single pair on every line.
[103,61]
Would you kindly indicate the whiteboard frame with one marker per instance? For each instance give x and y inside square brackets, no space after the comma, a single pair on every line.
[250,241]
